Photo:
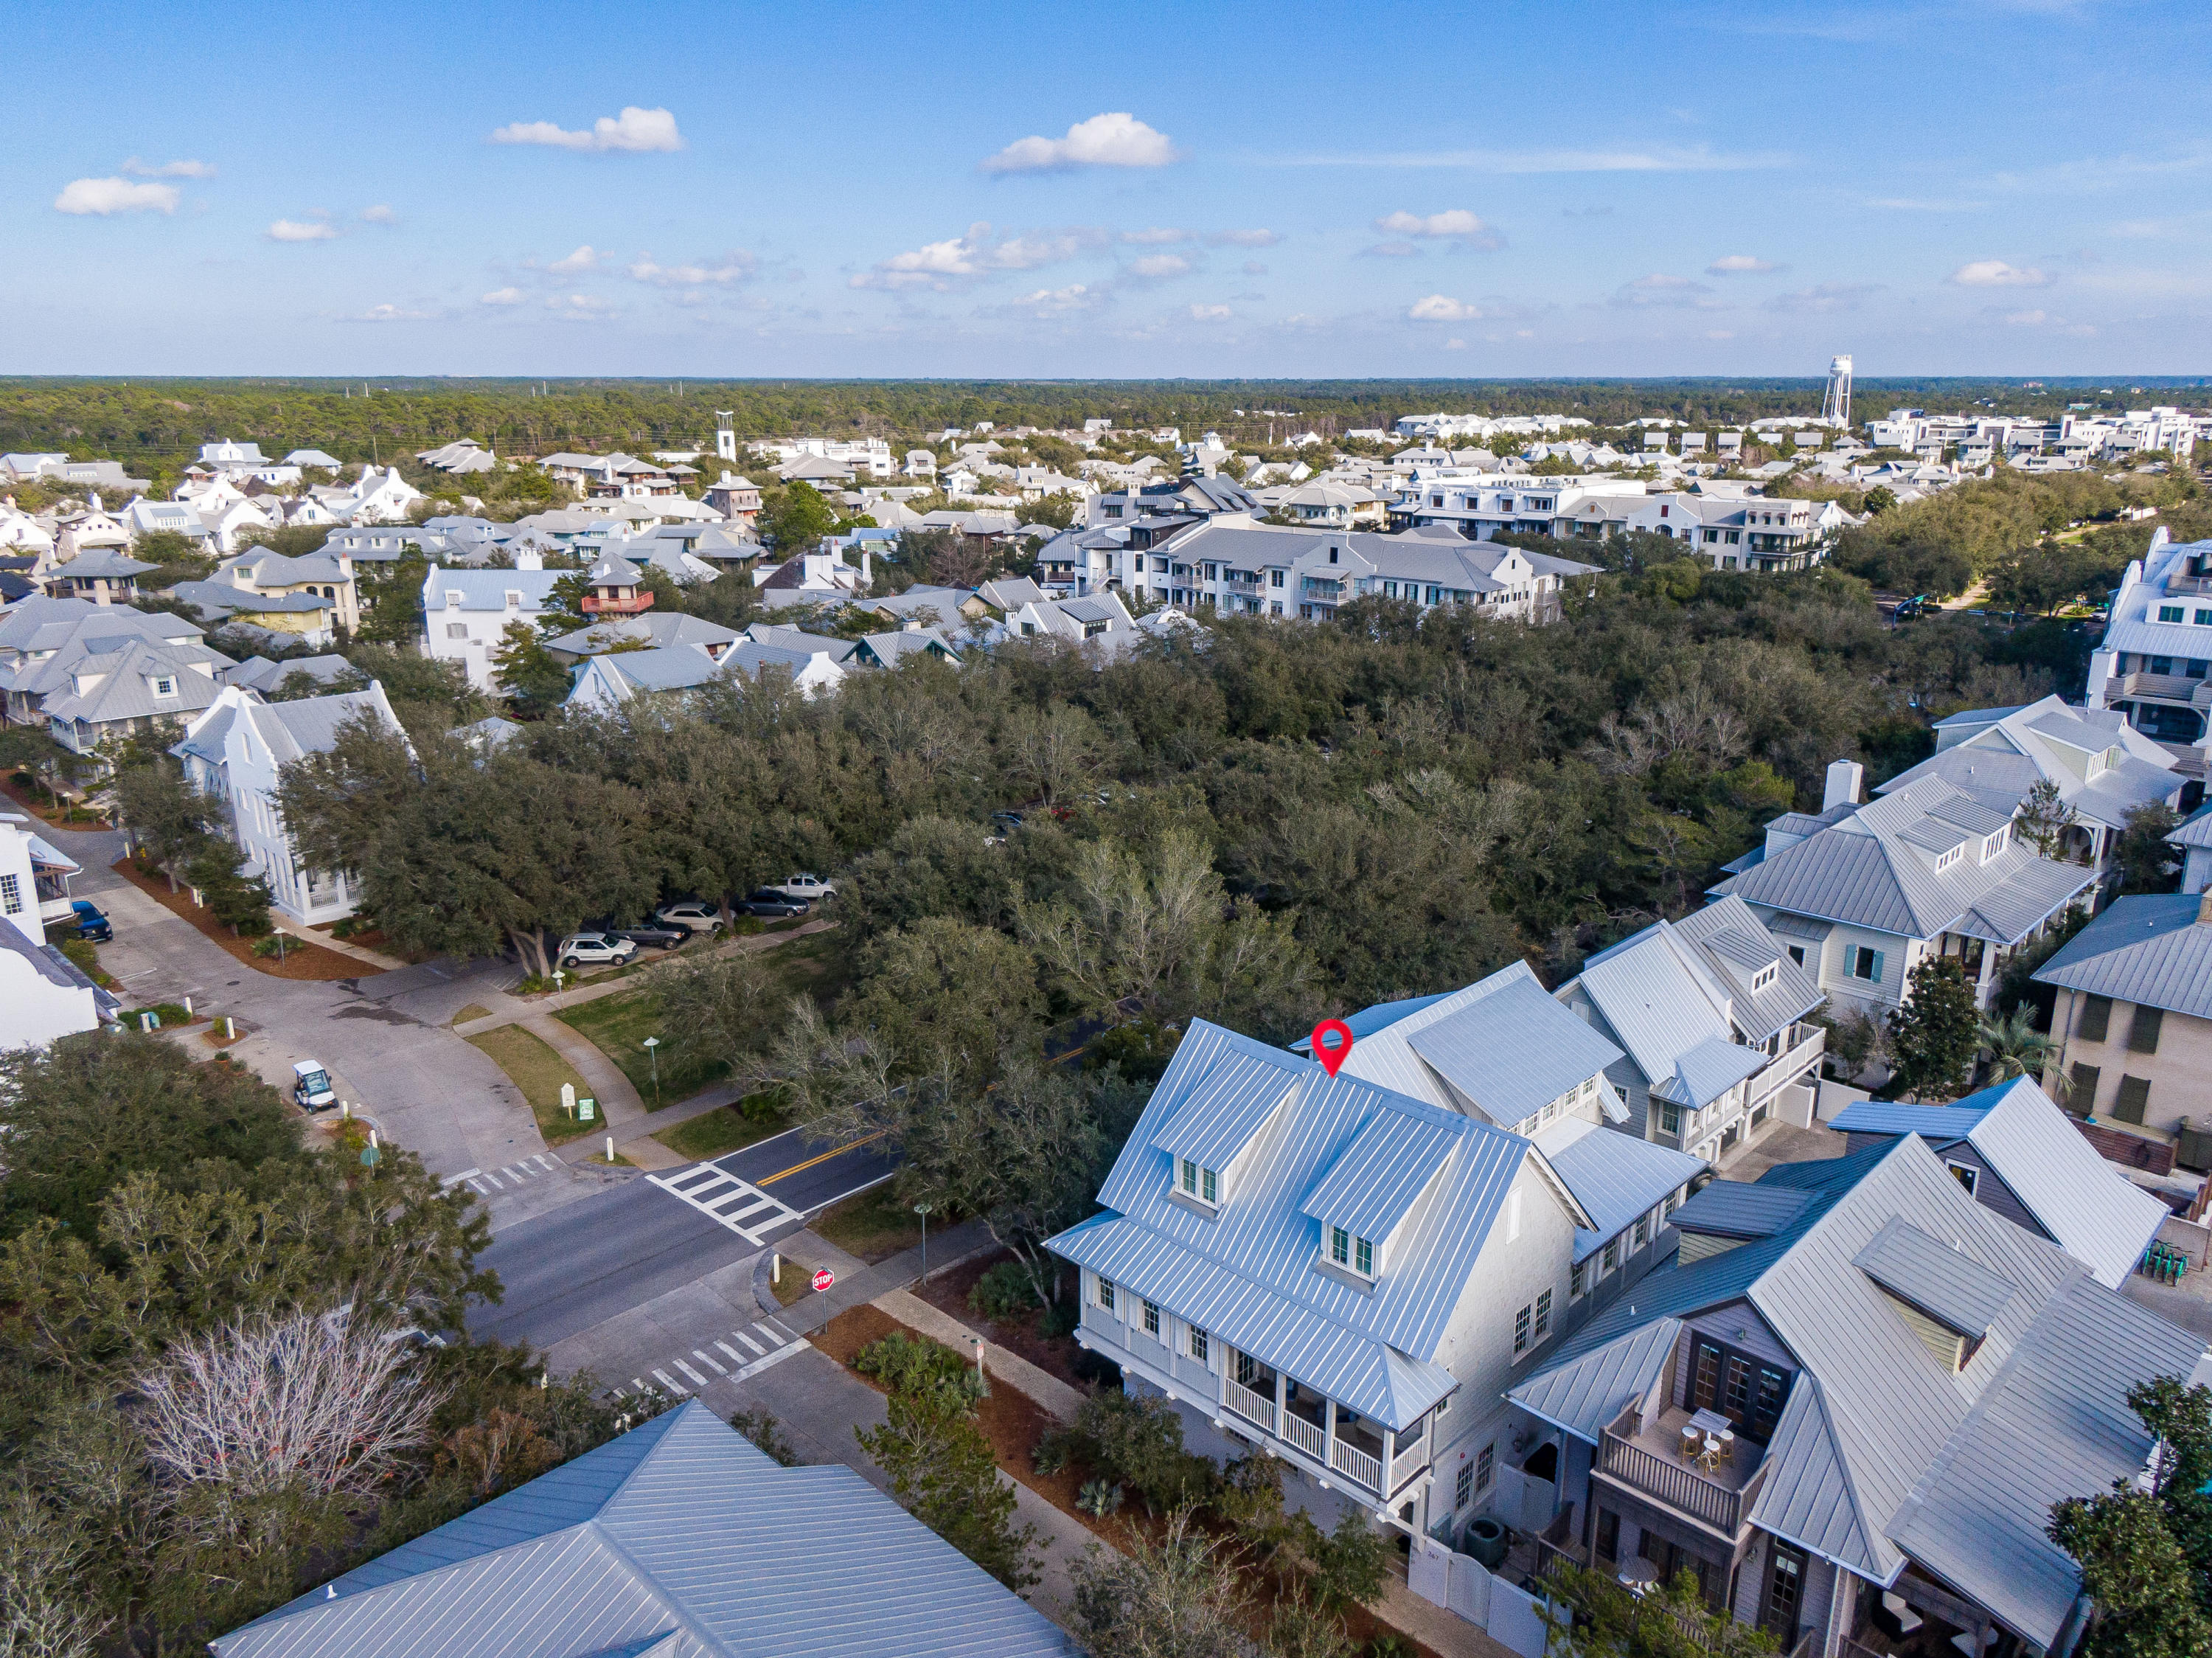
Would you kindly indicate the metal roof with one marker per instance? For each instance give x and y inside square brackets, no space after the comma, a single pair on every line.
[1939,1124]
[654,1543]
[2196,830]
[1949,1286]
[1615,1177]
[1731,1209]
[2151,949]
[1249,1273]
[1374,1181]
[1583,1396]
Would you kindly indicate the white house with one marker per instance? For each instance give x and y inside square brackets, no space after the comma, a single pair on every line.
[2157,649]
[234,752]
[466,612]
[43,994]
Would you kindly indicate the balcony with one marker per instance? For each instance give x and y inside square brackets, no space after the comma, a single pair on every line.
[1803,1045]
[1649,1461]
[2167,687]
[1310,587]
[639,600]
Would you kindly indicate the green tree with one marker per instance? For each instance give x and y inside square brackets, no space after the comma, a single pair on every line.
[2016,1048]
[1934,1034]
[943,1470]
[535,680]
[1181,1596]
[2134,1567]
[1593,1616]
[2044,818]
[240,903]
[946,994]
[796,518]
[2147,862]
[393,613]
[720,1008]
[163,812]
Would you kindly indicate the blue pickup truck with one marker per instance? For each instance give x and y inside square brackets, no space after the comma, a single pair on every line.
[86,923]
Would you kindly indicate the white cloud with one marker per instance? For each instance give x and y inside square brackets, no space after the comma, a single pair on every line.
[578,308]
[1995,273]
[1455,346]
[1740,265]
[1161,265]
[1155,237]
[1074,297]
[938,264]
[1112,140]
[1254,237]
[1661,289]
[392,313]
[1455,224]
[138,170]
[1659,283]
[300,230]
[1442,307]
[2027,319]
[504,297]
[105,196]
[638,132]
[1209,313]
[1391,250]
[584,258]
[379,214]
[1254,268]
[734,266]
[1824,298]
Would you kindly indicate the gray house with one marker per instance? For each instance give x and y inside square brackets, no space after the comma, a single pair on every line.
[1888,1384]
[677,1540]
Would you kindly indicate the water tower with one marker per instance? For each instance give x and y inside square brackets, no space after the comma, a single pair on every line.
[1836,405]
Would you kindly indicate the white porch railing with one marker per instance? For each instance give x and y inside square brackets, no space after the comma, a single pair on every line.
[1789,1065]
[1350,1459]
[1308,1436]
[1410,1460]
[1253,1407]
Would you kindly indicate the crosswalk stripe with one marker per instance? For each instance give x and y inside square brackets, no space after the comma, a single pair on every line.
[709,1361]
[749,1341]
[669,1382]
[476,1185]
[775,1332]
[455,1179]
[495,1181]
[725,1199]
[637,1384]
[777,1358]
[733,1353]
[545,1164]
[697,1381]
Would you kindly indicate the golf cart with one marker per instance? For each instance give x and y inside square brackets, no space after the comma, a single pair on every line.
[311,1086]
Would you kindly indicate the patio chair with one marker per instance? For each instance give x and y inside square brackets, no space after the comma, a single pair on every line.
[1907,1619]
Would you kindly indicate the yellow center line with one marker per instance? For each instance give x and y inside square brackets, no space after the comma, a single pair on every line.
[836,1151]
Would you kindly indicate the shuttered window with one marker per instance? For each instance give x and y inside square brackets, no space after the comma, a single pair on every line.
[2096,1017]
[2134,1096]
[2081,1097]
[2143,1033]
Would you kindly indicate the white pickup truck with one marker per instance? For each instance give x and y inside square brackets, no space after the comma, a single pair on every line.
[813,887]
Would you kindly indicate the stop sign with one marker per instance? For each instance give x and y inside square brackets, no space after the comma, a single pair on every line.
[823,1278]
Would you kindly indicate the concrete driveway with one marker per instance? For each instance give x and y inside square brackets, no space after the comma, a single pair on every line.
[382,1037]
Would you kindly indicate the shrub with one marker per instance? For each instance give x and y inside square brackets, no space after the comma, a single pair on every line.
[1049,1454]
[168,1013]
[1003,1292]
[1139,1442]
[916,1367]
[767,1434]
[1099,1498]
[1061,1319]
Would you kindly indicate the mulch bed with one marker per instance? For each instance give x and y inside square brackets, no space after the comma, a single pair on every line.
[308,962]
[39,807]
[1022,1335]
[1014,1422]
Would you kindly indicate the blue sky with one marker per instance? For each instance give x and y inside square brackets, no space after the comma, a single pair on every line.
[1277,190]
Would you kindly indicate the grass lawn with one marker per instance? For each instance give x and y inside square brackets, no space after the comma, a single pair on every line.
[474,1011]
[538,1072]
[716,1132]
[871,1224]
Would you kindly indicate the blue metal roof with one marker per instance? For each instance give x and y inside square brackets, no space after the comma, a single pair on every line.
[1390,1163]
[1514,1051]
[1939,1124]
[1616,1176]
[1955,1288]
[1249,1273]
[1736,1209]
[1383,1014]
[1707,1070]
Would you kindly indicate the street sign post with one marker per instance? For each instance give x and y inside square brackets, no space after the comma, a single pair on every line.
[823,1278]
[569,1098]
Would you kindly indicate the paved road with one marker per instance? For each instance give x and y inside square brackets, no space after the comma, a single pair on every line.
[570,1268]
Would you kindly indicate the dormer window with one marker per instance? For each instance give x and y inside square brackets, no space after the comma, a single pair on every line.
[1203,1183]
[1765,977]
[165,687]
[1997,842]
[1945,860]
[1346,1251]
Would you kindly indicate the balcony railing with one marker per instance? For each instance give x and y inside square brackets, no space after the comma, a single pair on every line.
[1790,1063]
[2168,688]
[1253,1407]
[1408,1462]
[1349,1459]
[1309,1436]
[1682,1488]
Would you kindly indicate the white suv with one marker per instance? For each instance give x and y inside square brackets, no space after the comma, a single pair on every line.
[812,887]
[692,917]
[594,949]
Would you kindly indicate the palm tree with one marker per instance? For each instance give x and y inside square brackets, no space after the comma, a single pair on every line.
[2016,1048]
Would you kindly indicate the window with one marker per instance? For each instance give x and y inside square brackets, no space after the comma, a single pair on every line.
[1151,1318]
[2204,618]
[1275,579]
[1339,1246]
[1764,976]
[1486,1464]
[1543,1315]
[165,687]
[1866,964]
[457,630]
[1521,1321]
[1966,1175]
[2142,1030]
[2082,1093]
[1363,1257]
[2169,612]
[1199,1346]
[11,895]
[2096,1017]
[1642,1231]
[1612,1253]
[1785,1590]
[1670,1117]
[1463,1487]
[1578,1281]
[1608,1535]
[1106,1294]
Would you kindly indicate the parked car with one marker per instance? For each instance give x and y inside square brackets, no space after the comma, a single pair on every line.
[692,916]
[86,923]
[311,1086]
[812,889]
[594,949]
[772,903]
[658,935]
[1006,822]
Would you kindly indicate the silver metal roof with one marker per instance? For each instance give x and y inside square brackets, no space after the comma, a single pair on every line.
[1946,1284]
[1586,1394]
[677,1537]
[2150,949]
[1615,1177]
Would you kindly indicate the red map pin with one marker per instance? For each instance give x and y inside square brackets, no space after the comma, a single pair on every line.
[1332,1044]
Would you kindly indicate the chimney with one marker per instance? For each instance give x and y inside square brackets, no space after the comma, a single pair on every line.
[1846,781]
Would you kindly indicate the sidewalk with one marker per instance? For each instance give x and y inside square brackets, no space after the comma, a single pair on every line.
[946,1250]
[345,947]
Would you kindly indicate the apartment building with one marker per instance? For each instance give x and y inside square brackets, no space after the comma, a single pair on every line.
[2151,665]
[466,613]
